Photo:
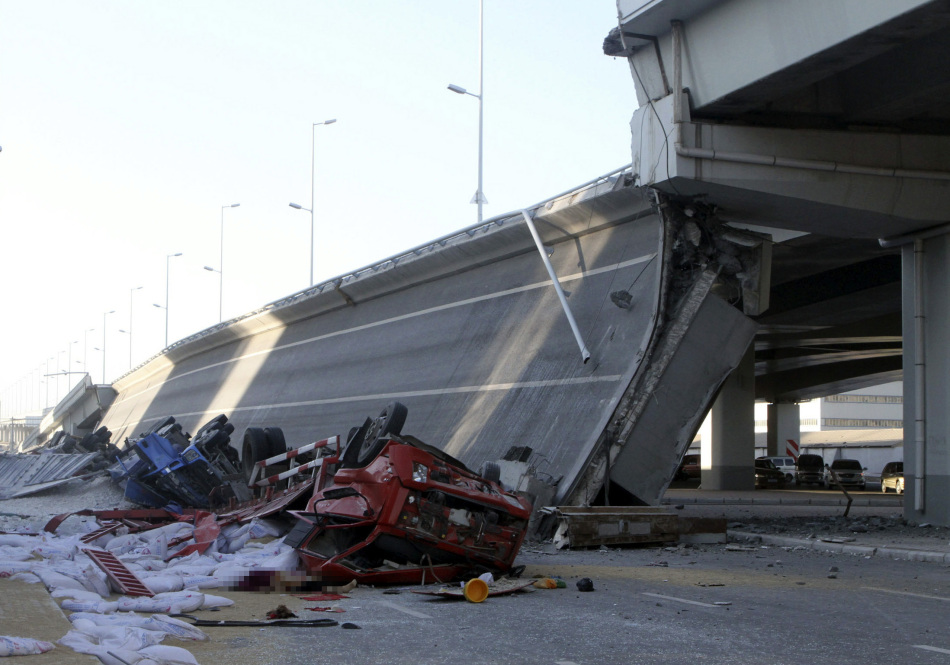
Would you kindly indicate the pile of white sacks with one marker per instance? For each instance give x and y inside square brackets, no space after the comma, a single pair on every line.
[114,630]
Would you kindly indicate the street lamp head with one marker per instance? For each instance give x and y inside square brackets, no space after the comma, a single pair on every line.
[457,88]
[155,304]
[210,269]
[235,205]
[329,122]
[296,205]
[111,311]
[137,288]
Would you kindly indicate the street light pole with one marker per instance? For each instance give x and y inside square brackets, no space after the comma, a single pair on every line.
[168,258]
[221,266]
[313,138]
[85,348]
[131,293]
[69,361]
[479,197]
[104,315]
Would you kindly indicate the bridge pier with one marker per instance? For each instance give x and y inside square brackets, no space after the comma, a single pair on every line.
[926,319]
[728,435]
[784,423]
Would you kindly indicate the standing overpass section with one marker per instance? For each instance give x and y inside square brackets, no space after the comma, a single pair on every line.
[827,125]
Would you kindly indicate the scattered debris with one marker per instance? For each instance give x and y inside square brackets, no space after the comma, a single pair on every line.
[549,583]
[500,587]
[351,626]
[293,623]
[281,612]
[593,526]
[585,584]
[21,475]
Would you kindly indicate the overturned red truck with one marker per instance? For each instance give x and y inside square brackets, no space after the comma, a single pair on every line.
[391,509]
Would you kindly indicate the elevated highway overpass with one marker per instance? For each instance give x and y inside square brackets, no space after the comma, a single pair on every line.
[738,258]
[825,122]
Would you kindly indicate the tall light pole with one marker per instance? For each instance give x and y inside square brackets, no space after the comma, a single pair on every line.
[104,315]
[479,197]
[220,266]
[47,382]
[85,348]
[313,138]
[58,369]
[131,293]
[168,258]
[69,362]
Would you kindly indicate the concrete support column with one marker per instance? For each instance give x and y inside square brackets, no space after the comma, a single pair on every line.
[784,423]
[729,449]
[926,319]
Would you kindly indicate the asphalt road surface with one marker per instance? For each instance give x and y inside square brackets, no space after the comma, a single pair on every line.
[701,604]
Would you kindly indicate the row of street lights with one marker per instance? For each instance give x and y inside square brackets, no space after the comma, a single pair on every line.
[479,199]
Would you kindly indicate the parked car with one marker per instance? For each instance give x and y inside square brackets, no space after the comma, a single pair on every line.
[768,475]
[892,477]
[850,473]
[784,464]
[689,467]
[810,469]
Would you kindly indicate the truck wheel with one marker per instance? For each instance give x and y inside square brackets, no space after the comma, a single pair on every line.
[490,471]
[277,444]
[389,423]
[215,423]
[255,449]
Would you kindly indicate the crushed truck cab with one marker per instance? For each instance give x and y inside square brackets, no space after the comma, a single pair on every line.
[393,510]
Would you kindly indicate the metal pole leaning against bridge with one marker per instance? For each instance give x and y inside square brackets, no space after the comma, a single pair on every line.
[585,354]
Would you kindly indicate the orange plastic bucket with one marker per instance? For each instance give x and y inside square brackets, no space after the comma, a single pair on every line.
[475,590]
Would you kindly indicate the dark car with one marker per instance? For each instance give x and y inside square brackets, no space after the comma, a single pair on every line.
[892,477]
[689,467]
[810,469]
[849,473]
[768,475]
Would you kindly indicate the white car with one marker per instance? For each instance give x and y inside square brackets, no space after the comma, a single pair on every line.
[892,477]
[784,464]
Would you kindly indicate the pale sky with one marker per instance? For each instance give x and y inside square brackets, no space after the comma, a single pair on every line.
[126,126]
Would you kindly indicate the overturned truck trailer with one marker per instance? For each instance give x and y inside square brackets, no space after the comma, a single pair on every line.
[467,331]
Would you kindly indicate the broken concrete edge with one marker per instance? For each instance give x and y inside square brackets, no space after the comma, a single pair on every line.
[763,501]
[898,553]
[612,526]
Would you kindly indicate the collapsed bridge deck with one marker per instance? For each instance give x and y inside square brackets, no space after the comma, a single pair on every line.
[468,333]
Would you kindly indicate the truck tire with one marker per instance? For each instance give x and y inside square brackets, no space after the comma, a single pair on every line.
[255,449]
[215,423]
[389,423]
[276,442]
[490,471]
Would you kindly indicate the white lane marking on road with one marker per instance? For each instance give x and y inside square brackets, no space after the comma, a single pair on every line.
[928,648]
[680,600]
[402,317]
[397,606]
[906,593]
[383,397]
